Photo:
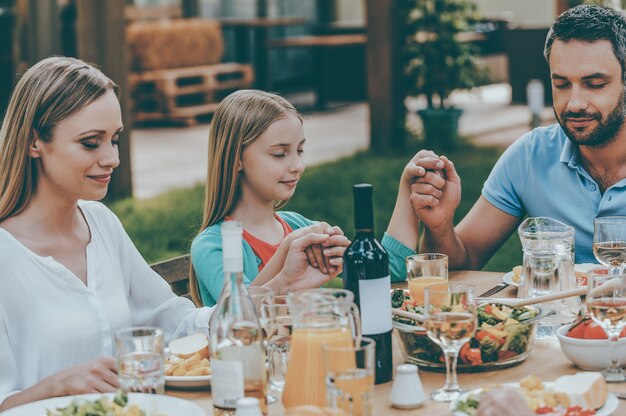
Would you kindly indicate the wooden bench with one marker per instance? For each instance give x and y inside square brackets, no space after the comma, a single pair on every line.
[175,272]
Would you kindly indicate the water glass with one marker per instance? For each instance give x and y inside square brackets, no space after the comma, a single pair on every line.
[139,353]
[263,299]
[450,311]
[606,302]
[349,375]
[423,270]
[279,345]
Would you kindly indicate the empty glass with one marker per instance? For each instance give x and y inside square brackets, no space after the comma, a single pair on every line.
[139,353]
[279,345]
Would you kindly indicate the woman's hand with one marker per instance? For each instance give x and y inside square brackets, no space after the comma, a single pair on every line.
[98,376]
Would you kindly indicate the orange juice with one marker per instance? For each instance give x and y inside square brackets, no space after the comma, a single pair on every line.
[304,382]
[359,385]
[417,285]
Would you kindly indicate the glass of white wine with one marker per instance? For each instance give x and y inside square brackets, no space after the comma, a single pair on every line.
[606,302]
[609,242]
[450,310]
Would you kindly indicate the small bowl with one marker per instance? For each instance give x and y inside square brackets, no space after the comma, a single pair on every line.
[589,354]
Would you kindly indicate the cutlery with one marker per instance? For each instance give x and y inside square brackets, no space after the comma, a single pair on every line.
[516,303]
[619,395]
[497,288]
[416,317]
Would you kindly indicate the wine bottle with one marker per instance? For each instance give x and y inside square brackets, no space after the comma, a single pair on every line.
[235,335]
[366,273]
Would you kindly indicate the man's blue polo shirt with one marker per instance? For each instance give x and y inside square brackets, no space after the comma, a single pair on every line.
[539,175]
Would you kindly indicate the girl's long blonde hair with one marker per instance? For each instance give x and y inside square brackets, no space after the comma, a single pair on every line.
[48,93]
[238,121]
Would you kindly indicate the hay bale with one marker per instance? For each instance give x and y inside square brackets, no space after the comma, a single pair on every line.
[174,44]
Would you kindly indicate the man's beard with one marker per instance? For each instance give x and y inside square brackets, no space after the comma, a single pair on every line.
[601,136]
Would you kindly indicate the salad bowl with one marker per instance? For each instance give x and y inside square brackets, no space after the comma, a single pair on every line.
[504,337]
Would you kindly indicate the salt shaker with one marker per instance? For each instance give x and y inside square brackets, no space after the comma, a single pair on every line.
[407,391]
[248,406]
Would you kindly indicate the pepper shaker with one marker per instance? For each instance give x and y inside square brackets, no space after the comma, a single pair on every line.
[407,391]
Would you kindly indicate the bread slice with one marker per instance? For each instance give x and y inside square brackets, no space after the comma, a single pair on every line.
[586,389]
[186,347]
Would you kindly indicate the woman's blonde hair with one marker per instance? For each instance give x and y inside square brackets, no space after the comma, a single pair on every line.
[238,121]
[48,93]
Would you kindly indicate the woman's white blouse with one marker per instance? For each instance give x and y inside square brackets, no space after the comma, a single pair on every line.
[49,319]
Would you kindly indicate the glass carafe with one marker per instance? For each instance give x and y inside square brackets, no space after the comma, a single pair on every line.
[548,267]
[319,315]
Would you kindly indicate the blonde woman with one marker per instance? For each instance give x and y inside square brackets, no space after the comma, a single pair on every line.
[255,162]
[69,273]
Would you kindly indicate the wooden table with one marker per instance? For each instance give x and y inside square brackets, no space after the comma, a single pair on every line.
[545,360]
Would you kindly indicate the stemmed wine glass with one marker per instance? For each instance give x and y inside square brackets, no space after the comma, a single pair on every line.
[609,242]
[450,310]
[606,302]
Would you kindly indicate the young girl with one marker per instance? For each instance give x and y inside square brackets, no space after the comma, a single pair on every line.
[70,275]
[255,161]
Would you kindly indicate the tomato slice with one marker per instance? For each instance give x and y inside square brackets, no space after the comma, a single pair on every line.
[594,331]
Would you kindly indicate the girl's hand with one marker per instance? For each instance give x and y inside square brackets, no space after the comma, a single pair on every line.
[333,252]
[315,252]
[298,273]
[98,376]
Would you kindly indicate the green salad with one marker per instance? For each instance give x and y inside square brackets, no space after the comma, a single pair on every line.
[502,333]
[101,407]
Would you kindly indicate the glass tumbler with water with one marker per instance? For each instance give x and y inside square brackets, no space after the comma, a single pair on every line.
[139,353]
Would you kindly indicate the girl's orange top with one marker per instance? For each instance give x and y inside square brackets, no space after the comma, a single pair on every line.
[263,250]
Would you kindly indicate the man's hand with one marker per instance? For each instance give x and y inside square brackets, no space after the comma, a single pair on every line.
[98,376]
[435,191]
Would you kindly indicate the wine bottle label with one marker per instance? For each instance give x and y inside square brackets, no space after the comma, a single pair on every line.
[227,383]
[375,301]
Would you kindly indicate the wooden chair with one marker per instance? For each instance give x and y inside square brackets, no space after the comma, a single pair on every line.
[175,272]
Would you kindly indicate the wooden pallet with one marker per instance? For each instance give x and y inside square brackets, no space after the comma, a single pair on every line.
[182,94]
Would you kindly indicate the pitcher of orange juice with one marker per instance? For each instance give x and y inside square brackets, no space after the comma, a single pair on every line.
[319,316]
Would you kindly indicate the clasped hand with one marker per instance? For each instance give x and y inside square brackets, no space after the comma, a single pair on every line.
[315,255]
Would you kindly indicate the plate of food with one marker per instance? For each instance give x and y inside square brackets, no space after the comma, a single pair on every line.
[503,338]
[583,393]
[187,362]
[513,277]
[99,404]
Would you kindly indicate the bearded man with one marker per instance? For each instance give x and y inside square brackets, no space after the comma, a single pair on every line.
[573,171]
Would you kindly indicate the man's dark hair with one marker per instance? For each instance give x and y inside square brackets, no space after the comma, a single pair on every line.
[591,23]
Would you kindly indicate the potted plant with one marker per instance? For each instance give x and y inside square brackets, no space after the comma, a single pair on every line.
[438,61]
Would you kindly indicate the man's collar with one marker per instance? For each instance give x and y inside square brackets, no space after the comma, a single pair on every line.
[569,153]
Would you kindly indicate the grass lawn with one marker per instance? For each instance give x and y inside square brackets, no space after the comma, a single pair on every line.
[164,226]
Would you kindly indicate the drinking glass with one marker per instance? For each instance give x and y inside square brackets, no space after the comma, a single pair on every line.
[450,311]
[349,377]
[423,270]
[263,299]
[606,302]
[609,242]
[139,353]
[279,345]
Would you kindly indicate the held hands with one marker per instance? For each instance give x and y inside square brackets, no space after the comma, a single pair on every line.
[328,259]
[298,270]
[97,376]
[435,188]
